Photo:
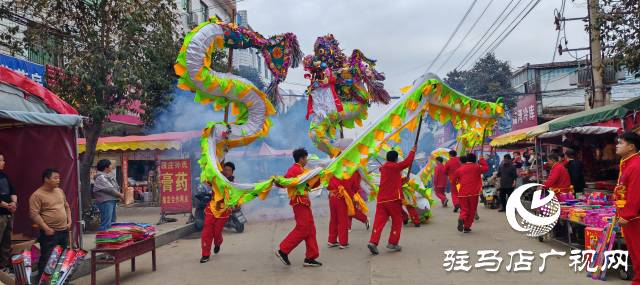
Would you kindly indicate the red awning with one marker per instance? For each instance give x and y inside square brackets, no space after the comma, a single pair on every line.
[51,100]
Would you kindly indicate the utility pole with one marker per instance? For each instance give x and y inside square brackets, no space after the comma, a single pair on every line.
[230,61]
[595,45]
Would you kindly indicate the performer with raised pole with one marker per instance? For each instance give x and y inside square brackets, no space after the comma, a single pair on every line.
[216,216]
[470,188]
[305,229]
[389,199]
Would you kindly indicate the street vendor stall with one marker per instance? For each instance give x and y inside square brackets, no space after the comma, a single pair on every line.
[137,158]
[592,134]
[37,131]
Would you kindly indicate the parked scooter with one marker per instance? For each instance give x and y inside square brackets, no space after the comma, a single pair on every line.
[490,196]
[203,197]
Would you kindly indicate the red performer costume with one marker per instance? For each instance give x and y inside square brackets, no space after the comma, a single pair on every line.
[440,183]
[305,229]
[356,193]
[450,168]
[559,180]
[390,198]
[470,188]
[216,216]
[413,214]
[339,222]
[627,196]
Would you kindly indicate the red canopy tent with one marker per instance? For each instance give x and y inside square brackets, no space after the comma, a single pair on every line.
[38,130]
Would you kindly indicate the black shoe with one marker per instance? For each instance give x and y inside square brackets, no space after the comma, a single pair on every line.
[477,217]
[456,208]
[417,225]
[283,257]
[502,210]
[405,222]
[460,224]
[466,231]
[204,259]
[373,248]
[216,249]
[311,263]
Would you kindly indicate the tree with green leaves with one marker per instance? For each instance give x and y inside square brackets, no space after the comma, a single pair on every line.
[618,24]
[111,53]
[487,80]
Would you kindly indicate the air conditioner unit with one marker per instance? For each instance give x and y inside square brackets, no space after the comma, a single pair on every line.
[582,77]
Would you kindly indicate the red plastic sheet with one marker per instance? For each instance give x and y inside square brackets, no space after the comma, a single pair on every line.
[28,151]
[51,100]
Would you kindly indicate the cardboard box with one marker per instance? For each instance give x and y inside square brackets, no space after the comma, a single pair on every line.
[6,279]
[18,243]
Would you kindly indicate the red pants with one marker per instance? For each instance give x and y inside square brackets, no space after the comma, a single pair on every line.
[440,193]
[340,222]
[359,215]
[305,230]
[632,237]
[212,231]
[468,208]
[385,210]
[454,194]
[413,214]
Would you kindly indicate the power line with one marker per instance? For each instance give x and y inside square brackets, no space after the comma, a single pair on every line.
[426,63]
[490,35]
[500,38]
[453,34]
[515,26]
[465,36]
[485,33]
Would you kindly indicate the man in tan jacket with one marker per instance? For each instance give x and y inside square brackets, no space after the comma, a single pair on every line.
[49,210]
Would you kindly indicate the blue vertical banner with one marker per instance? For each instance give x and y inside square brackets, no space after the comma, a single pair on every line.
[31,70]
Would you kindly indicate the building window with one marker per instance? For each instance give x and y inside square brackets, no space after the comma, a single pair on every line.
[239,19]
[39,56]
[186,5]
[204,11]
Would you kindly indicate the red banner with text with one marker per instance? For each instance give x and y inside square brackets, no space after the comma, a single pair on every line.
[175,180]
[525,114]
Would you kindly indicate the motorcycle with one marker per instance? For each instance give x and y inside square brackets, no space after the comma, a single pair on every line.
[490,196]
[236,218]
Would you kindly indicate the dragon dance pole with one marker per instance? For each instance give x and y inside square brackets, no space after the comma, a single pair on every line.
[415,143]
[484,132]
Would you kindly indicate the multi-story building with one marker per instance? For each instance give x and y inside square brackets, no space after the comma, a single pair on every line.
[196,12]
[32,62]
[556,93]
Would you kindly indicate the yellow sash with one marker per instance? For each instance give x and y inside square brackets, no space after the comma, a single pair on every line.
[361,205]
[559,189]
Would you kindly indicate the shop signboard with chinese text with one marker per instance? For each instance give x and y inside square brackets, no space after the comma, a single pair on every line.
[175,186]
[525,114]
[31,70]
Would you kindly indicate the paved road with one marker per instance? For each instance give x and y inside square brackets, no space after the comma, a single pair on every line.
[248,258]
